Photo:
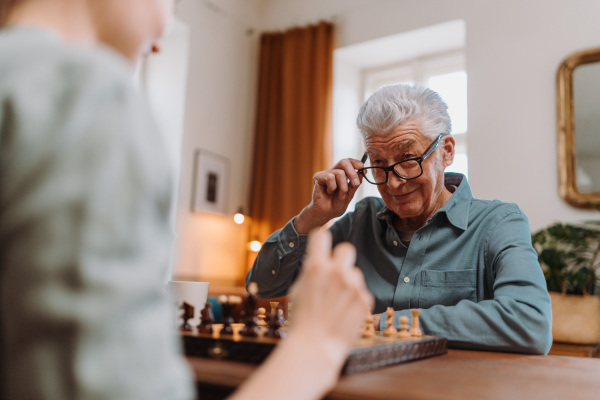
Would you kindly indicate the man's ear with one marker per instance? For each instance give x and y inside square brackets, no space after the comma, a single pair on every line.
[448,146]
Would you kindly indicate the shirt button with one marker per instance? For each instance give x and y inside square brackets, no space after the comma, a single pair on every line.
[291,244]
[273,271]
[395,243]
[406,279]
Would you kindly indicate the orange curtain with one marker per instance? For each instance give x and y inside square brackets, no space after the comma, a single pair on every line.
[293,137]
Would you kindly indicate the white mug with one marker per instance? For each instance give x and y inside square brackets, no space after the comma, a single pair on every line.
[193,293]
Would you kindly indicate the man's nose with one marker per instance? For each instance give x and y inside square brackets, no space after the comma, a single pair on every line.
[394,181]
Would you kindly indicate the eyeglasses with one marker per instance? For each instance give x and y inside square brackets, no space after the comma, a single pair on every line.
[411,168]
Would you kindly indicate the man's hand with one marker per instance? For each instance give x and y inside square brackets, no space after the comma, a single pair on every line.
[332,192]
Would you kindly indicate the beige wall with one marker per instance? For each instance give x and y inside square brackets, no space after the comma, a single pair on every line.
[513,48]
[218,118]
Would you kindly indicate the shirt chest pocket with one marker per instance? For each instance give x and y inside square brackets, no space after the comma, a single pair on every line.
[447,288]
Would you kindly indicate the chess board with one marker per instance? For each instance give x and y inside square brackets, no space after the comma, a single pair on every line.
[367,354]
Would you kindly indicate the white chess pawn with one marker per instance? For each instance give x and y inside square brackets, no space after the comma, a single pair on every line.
[403,327]
[415,330]
[369,328]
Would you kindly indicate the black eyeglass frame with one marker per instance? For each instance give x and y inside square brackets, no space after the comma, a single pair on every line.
[389,168]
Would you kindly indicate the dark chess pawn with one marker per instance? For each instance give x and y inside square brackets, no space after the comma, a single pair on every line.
[276,321]
[188,313]
[227,306]
[251,327]
[207,319]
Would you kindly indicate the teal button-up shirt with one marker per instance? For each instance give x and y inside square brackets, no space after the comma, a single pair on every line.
[471,270]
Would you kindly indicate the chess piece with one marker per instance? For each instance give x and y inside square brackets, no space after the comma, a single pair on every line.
[390,330]
[206,319]
[262,316]
[188,313]
[369,328]
[276,321]
[404,333]
[415,330]
[274,305]
[250,328]
[227,310]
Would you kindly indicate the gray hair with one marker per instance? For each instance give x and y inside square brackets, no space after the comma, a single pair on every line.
[393,105]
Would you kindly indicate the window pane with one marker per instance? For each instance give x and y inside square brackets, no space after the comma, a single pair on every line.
[453,89]
[460,164]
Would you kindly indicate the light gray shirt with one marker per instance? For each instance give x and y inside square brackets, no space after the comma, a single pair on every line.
[84,232]
[471,270]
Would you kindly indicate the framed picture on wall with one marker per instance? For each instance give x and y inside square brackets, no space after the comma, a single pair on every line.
[210,182]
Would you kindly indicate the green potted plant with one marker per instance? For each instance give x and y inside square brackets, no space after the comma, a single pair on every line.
[569,255]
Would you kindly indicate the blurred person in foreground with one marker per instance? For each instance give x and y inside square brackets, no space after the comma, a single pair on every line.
[84,233]
[427,243]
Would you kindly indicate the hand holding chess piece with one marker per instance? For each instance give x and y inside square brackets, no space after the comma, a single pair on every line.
[330,298]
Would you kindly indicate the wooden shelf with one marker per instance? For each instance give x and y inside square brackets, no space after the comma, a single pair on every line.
[575,350]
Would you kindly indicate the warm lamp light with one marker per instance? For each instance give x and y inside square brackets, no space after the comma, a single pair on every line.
[255,245]
[238,218]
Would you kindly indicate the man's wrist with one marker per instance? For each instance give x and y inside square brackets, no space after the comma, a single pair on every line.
[304,222]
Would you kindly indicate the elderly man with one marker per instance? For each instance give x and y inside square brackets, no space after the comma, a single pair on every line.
[467,263]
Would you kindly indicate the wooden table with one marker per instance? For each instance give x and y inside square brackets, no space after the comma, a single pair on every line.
[460,375]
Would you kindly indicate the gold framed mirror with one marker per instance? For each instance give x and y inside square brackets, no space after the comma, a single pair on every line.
[578,124]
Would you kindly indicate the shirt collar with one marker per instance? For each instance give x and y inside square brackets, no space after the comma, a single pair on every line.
[456,208]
